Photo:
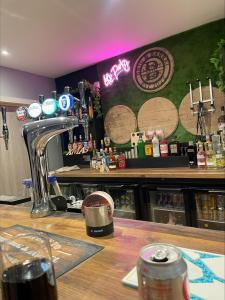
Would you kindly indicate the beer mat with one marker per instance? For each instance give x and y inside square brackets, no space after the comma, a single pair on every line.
[206,272]
[67,253]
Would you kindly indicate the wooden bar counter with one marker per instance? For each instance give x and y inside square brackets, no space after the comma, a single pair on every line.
[184,173]
[100,276]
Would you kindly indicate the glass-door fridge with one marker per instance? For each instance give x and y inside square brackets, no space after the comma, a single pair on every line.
[166,204]
[210,208]
[126,198]
[76,192]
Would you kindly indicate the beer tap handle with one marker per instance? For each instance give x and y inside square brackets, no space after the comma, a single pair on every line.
[82,95]
[4,114]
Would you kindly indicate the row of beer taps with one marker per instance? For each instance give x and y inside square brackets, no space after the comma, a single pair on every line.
[5,130]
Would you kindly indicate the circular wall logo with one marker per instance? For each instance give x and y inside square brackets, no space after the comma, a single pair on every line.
[153,69]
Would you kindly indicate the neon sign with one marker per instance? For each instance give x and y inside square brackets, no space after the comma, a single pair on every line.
[122,66]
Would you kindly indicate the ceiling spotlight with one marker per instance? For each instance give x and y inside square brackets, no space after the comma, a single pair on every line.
[4,52]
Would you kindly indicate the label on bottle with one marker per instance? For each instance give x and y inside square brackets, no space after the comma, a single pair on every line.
[201,160]
[148,149]
[163,148]
[173,149]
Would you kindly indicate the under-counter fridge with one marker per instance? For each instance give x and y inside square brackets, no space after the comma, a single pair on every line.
[209,208]
[125,197]
[166,204]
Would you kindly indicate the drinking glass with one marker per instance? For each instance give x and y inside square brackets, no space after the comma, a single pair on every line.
[26,268]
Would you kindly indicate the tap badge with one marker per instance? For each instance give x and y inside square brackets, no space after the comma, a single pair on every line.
[34,110]
[65,102]
[21,113]
[49,106]
[153,69]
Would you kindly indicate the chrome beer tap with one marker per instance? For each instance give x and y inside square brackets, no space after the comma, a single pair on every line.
[85,118]
[5,130]
[36,135]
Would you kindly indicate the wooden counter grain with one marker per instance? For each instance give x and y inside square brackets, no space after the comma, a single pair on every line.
[99,277]
[146,173]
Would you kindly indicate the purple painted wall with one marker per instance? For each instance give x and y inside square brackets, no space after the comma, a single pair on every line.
[19,84]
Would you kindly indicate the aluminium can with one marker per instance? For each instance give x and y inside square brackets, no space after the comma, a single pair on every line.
[162,273]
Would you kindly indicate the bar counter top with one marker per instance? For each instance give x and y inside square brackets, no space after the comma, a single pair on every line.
[185,173]
[99,277]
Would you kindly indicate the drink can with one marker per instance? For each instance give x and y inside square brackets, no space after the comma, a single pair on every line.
[162,273]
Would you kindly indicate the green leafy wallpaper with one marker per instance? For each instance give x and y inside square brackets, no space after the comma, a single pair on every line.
[191,51]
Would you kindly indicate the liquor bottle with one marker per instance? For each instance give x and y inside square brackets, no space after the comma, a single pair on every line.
[201,156]
[94,156]
[102,144]
[191,152]
[221,127]
[220,159]
[215,141]
[107,141]
[112,160]
[163,146]
[174,147]
[141,147]
[79,145]
[210,157]
[148,148]
[90,143]
[121,161]
[207,143]
[155,146]
[221,120]
[75,145]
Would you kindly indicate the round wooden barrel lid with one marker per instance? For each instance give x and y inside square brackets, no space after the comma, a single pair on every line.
[158,113]
[189,122]
[120,122]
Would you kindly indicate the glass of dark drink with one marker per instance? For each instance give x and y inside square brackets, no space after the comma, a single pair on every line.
[26,268]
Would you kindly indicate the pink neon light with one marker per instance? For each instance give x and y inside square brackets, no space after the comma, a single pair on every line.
[122,66]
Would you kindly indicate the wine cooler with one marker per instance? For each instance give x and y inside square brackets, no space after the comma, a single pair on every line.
[210,209]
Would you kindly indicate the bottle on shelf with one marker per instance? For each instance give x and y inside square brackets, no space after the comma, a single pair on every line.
[102,144]
[107,141]
[148,147]
[75,145]
[221,119]
[215,141]
[221,127]
[201,156]
[210,157]
[174,147]
[141,147]
[112,160]
[90,143]
[207,142]
[121,161]
[163,146]
[79,145]
[94,157]
[191,152]
[135,150]
[155,146]
[220,159]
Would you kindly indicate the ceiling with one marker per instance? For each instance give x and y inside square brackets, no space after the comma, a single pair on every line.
[56,37]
